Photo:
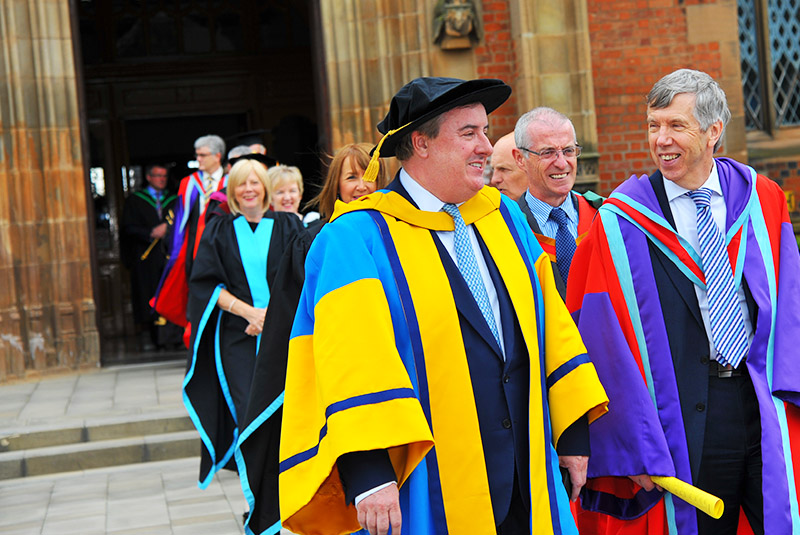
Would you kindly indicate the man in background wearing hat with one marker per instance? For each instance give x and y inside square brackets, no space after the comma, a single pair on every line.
[434,372]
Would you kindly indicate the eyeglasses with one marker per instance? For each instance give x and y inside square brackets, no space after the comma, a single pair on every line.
[202,154]
[551,154]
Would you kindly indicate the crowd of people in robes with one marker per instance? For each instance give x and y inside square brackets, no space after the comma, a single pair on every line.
[477,347]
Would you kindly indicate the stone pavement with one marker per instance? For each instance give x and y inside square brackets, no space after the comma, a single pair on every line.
[149,497]
[101,393]
[158,498]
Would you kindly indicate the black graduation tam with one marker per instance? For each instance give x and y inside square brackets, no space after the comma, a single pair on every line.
[266,160]
[246,138]
[423,99]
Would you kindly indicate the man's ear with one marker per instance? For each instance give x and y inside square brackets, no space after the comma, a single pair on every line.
[518,157]
[714,132]
[420,144]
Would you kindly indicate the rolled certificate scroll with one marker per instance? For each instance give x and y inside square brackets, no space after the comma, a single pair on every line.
[708,503]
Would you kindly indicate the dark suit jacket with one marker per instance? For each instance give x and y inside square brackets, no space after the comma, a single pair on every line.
[687,335]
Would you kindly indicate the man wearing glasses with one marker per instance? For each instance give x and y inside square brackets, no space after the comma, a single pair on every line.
[547,151]
[193,194]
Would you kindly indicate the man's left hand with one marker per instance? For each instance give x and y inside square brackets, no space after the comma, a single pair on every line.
[380,511]
[159,231]
[577,466]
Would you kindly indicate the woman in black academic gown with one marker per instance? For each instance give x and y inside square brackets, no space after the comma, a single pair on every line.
[229,291]
[260,428]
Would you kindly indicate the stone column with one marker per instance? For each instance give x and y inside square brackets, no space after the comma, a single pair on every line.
[555,68]
[724,34]
[371,50]
[46,301]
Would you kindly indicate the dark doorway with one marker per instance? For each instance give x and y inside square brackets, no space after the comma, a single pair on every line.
[170,140]
[158,75]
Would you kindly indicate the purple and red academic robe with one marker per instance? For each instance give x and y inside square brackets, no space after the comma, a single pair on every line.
[172,296]
[615,302]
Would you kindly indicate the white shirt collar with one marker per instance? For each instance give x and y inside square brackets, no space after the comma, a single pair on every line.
[423,198]
[712,182]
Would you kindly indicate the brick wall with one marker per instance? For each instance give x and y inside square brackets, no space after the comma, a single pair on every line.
[634,43]
[496,58]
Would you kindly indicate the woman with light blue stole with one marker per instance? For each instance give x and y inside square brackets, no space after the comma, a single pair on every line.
[229,291]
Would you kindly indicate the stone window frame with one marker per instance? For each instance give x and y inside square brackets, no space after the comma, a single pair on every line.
[768,139]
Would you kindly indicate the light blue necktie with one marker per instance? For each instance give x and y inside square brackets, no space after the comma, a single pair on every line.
[565,243]
[725,314]
[468,266]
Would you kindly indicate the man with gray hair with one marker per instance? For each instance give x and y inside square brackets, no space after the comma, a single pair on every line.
[193,195]
[547,152]
[685,292]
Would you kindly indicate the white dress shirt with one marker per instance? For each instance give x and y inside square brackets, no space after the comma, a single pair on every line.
[210,185]
[684,212]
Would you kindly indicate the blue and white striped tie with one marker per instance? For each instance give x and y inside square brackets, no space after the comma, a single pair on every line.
[725,314]
[468,266]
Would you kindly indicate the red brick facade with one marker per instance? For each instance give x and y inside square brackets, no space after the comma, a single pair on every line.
[633,44]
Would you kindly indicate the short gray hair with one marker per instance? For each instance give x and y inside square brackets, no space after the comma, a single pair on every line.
[522,137]
[214,143]
[710,103]
[239,150]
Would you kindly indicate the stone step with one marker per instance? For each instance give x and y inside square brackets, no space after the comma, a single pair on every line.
[32,437]
[81,456]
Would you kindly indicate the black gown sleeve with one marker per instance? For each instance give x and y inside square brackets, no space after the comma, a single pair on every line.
[209,270]
[261,429]
[575,438]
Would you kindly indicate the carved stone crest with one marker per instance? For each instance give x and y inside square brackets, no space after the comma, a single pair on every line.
[455,24]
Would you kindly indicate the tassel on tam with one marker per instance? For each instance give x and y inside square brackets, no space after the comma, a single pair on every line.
[371,172]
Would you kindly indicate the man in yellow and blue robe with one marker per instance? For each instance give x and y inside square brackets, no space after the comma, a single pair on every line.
[396,376]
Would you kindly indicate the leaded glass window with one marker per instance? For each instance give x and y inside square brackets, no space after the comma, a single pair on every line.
[751,74]
[770,62]
[784,32]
